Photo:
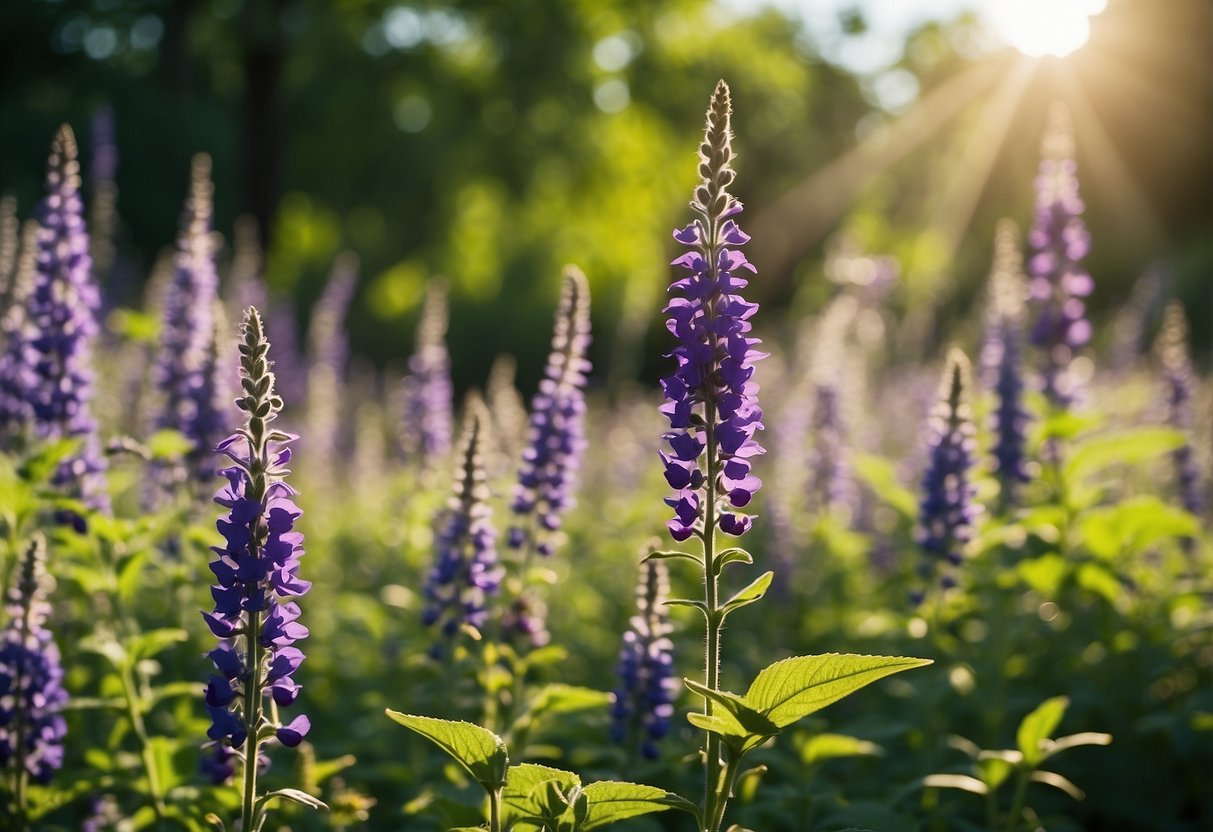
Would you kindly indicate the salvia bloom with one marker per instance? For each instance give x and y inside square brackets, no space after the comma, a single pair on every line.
[32,696]
[1179,383]
[946,511]
[329,350]
[1002,363]
[188,326]
[466,571]
[1059,242]
[255,569]
[425,432]
[61,316]
[712,401]
[644,697]
[831,483]
[547,478]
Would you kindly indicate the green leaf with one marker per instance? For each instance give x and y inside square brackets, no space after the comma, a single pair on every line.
[687,602]
[733,555]
[1125,447]
[753,592]
[794,688]
[995,770]
[1036,728]
[153,642]
[955,781]
[1061,744]
[880,475]
[739,718]
[669,554]
[1052,778]
[611,801]
[528,792]
[821,747]
[563,699]
[296,796]
[169,445]
[477,749]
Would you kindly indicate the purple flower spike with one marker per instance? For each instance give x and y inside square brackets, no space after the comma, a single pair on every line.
[946,511]
[1179,383]
[32,697]
[256,572]
[425,433]
[186,364]
[329,350]
[1059,242]
[711,399]
[103,192]
[1002,363]
[644,698]
[547,478]
[465,572]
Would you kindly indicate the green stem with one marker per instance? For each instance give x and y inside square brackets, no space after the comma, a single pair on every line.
[135,714]
[1017,802]
[714,801]
[495,810]
[252,720]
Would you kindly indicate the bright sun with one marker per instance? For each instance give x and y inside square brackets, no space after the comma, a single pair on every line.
[1045,27]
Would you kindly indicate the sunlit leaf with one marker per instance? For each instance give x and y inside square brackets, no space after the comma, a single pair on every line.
[1037,726]
[477,749]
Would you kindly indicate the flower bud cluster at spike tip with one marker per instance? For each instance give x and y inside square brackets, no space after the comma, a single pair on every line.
[644,698]
[465,571]
[1059,242]
[187,326]
[715,357]
[1180,380]
[32,696]
[255,569]
[61,312]
[425,432]
[556,441]
[947,510]
[1002,360]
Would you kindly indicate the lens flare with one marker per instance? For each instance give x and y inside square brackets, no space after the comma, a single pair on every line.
[1045,27]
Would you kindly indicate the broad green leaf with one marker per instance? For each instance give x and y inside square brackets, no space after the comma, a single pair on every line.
[1134,525]
[1098,578]
[880,475]
[297,796]
[733,555]
[744,720]
[477,749]
[1037,726]
[757,588]
[611,801]
[995,770]
[687,602]
[670,554]
[527,793]
[1126,447]
[821,747]
[562,699]
[1043,574]
[794,688]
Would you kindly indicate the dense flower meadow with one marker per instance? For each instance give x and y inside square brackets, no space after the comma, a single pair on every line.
[247,579]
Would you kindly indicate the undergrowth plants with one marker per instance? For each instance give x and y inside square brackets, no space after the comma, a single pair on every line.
[495,589]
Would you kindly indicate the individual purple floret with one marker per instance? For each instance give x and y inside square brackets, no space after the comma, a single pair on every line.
[946,511]
[465,572]
[1059,242]
[547,478]
[32,696]
[1002,363]
[329,351]
[188,327]
[61,323]
[712,401]
[1179,382]
[256,572]
[425,432]
[644,698]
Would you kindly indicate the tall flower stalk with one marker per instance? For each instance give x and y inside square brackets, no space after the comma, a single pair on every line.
[644,697]
[466,572]
[329,350]
[256,570]
[712,401]
[427,393]
[946,510]
[1002,364]
[103,192]
[556,441]
[32,696]
[1059,242]
[1179,382]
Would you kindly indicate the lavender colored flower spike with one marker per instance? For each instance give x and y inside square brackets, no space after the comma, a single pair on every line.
[246,286]
[1002,363]
[831,483]
[465,572]
[547,478]
[32,696]
[946,511]
[507,407]
[1179,382]
[256,575]
[644,697]
[187,326]
[61,314]
[17,358]
[1059,242]
[712,399]
[1129,328]
[425,433]
[103,192]
[329,350]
